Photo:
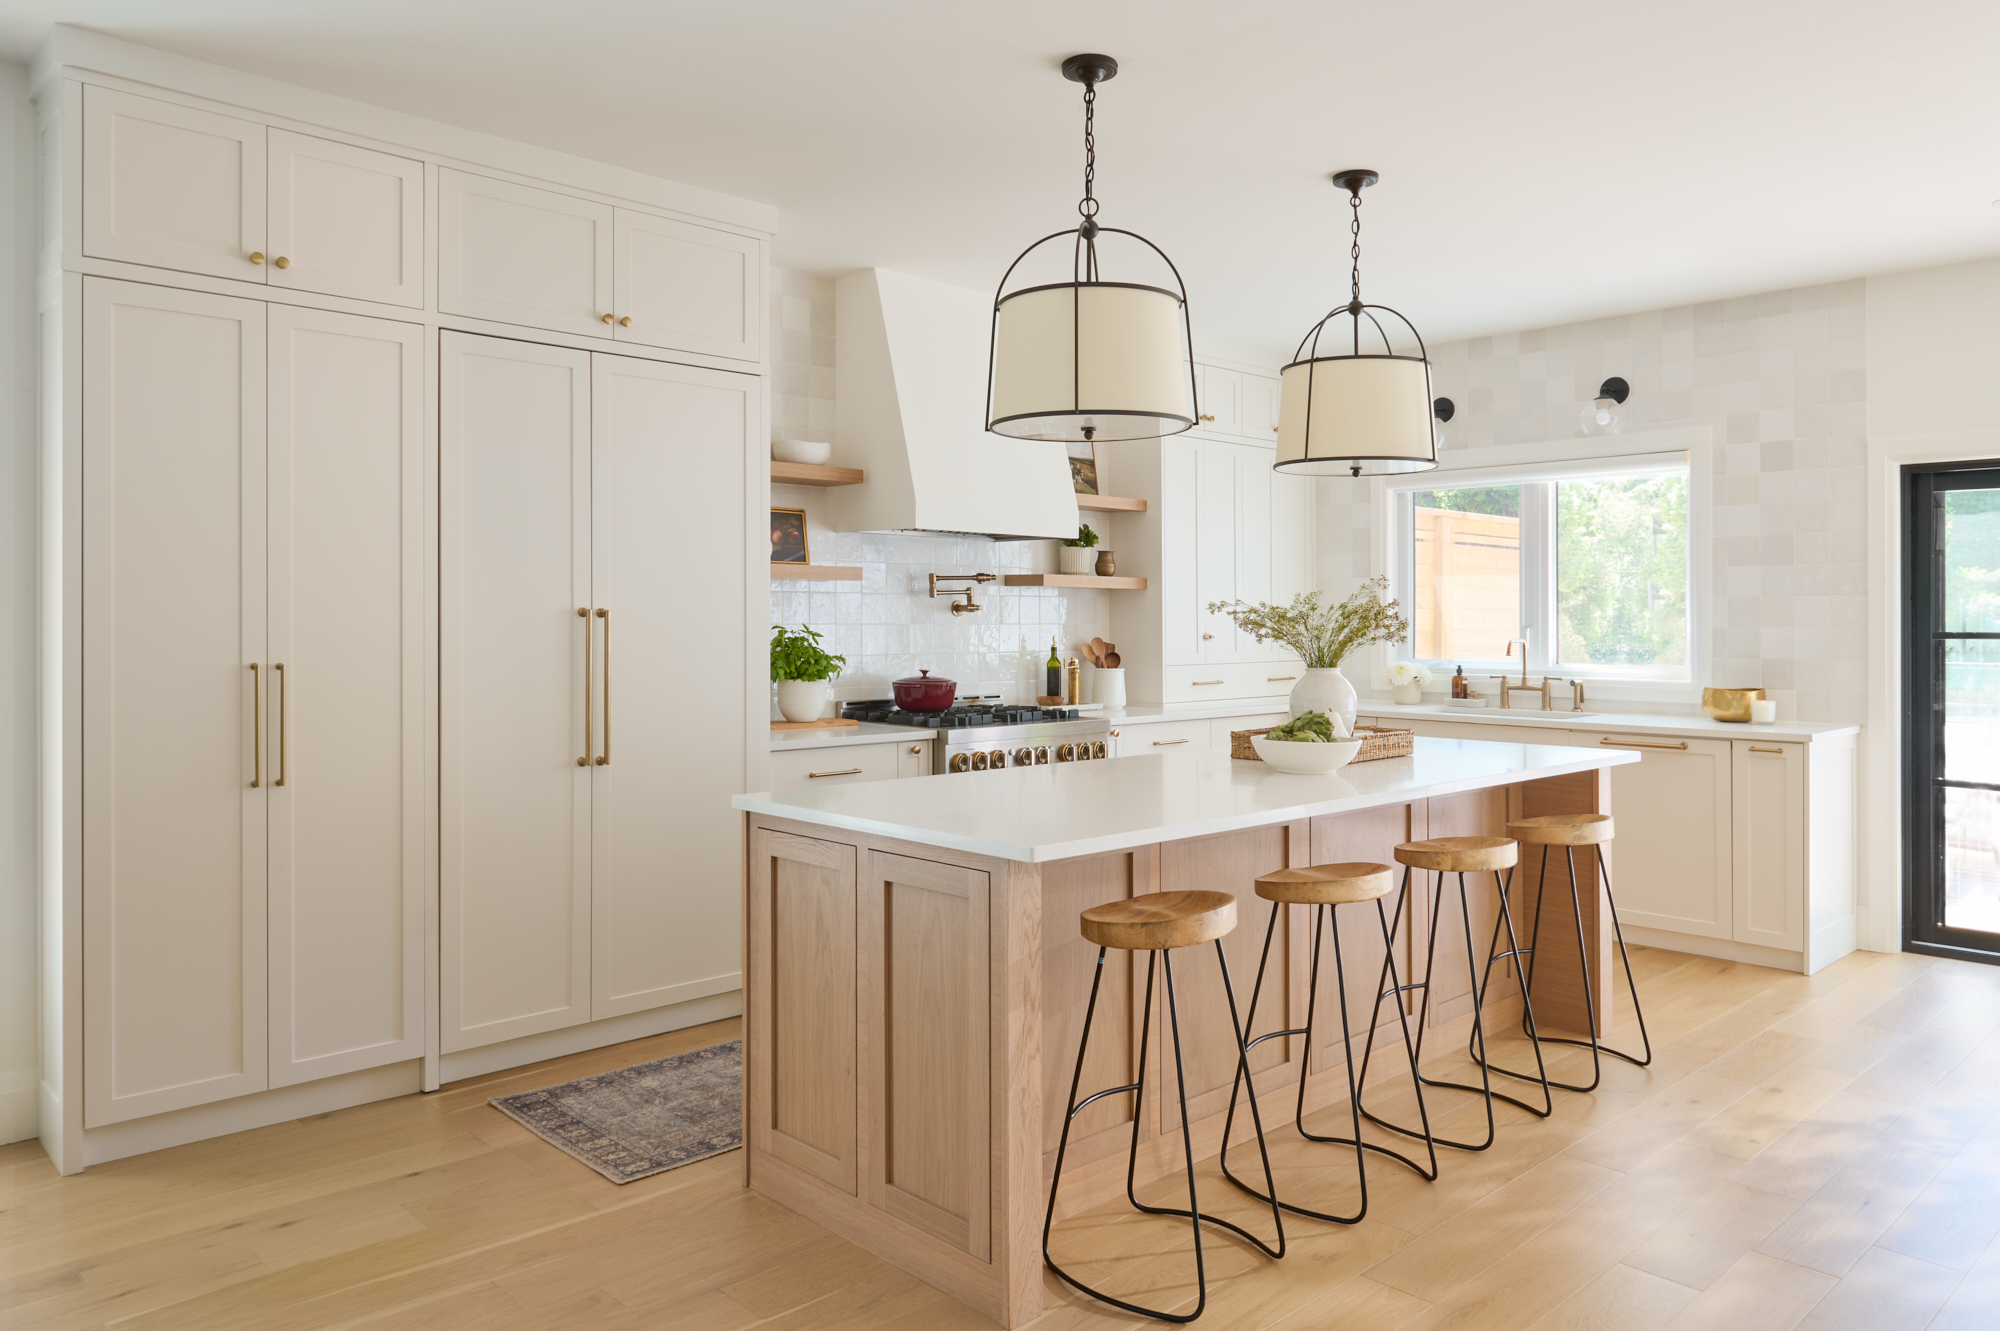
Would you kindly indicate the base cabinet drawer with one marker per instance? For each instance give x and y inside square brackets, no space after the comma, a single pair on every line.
[1163,737]
[839,765]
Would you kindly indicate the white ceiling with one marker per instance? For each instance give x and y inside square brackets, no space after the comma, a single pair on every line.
[1542,162]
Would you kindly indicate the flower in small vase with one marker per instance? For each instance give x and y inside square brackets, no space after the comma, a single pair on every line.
[1409,672]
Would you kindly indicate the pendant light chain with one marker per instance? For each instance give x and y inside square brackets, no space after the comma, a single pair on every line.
[1354,253]
[1088,205]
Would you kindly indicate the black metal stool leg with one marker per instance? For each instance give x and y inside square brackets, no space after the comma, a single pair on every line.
[1395,989]
[1594,1043]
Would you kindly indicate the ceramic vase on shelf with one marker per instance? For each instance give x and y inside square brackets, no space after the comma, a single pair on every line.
[1408,694]
[1106,565]
[802,699]
[1077,559]
[1326,690]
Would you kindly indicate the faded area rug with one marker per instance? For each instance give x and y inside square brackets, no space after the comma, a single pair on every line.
[645,1119]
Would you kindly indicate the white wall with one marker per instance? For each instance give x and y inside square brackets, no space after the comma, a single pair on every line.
[886,625]
[19,1043]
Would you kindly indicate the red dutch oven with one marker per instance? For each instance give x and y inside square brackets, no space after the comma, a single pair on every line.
[921,693]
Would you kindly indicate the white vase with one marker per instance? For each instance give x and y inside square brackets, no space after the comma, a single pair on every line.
[802,699]
[1408,694]
[1077,559]
[1326,690]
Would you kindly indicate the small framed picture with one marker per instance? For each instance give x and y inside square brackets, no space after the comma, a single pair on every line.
[788,536]
[1083,466]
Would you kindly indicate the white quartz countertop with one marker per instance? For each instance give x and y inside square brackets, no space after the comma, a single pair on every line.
[1624,723]
[1037,814]
[1143,714]
[868,732]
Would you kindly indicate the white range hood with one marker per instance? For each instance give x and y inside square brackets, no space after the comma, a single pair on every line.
[910,388]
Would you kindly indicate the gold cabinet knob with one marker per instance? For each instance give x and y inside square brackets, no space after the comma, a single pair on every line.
[1114,734]
[283,262]
[626,322]
[610,318]
[1206,636]
[256,256]
[916,748]
[1207,417]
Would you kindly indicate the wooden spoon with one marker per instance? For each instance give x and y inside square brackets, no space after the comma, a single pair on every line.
[1111,661]
[1098,648]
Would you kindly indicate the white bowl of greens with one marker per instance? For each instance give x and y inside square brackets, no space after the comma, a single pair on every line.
[1308,746]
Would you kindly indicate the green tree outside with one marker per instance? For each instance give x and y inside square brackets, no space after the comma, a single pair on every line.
[1622,570]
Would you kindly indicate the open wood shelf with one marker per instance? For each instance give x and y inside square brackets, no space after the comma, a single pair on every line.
[804,473]
[1109,504]
[1085,580]
[815,572]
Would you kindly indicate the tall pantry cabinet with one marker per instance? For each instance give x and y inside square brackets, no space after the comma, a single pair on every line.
[401,598]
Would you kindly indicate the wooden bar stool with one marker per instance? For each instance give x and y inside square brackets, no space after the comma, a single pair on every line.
[1156,924]
[1324,887]
[1462,855]
[1570,830]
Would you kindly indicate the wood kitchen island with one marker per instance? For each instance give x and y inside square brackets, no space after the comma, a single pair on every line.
[916,983]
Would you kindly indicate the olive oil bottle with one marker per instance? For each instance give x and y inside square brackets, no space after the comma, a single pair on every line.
[1055,688]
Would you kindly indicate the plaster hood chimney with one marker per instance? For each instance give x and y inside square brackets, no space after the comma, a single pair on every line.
[910,407]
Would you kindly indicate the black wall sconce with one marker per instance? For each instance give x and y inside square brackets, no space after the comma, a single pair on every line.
[1606,414]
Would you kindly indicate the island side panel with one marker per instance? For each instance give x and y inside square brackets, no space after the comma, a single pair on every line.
[1472,813]
[945,957]
[1370,835]
[1558,988]
[1069,965]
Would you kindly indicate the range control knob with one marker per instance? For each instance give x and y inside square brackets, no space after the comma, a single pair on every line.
[1097,749]
[960,762]
[1066,754]
[997,760]
[979,761]
[1041,755]
[1083,751]
[1024,757]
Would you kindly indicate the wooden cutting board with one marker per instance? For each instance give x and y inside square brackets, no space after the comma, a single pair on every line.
[839,723]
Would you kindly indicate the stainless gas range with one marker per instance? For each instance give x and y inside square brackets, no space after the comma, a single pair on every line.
[988,738]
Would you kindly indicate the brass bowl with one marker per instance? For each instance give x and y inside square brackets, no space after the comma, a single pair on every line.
[1729,704]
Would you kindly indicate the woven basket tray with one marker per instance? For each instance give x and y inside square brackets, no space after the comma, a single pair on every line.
[1376,742]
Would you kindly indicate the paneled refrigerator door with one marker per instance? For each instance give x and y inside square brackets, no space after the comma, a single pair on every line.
[516,738]
[350,808]
[176,769]
[674,450]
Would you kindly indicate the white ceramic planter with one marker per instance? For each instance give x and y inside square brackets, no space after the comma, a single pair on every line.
[802,699]
[1077,559]
[1108,686]
[1326,691]
[1409,695]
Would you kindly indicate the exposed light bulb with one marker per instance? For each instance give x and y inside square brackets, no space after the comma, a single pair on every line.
[1604,415]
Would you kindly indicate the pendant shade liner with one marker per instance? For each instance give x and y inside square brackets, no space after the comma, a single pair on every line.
[1365,409]
[1086,358]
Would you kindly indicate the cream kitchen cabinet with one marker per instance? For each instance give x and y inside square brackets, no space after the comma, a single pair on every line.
[847,764]
[171,186]
[1738,848]
[583,872]
[1238,404]
[254,749]
[523,255]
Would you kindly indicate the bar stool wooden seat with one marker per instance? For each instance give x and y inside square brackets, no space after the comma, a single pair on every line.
[1322,888]
[1157,924]
[1462,855]
[1570,830]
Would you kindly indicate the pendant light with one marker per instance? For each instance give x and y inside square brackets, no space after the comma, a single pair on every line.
[1356,411]
[1087,358]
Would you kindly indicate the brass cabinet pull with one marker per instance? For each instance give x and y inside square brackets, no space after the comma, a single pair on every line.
[1114,734]
[583,613]
[1206,636]
[284,697]
[283,262]
[1208,418]
[625,322]
[845,771]
[1163,743]
[1204,683]
[256,256]
[604,759]
[916,748]
[257,740]
[611,318]
[1640,744]
[1755,749]
[1278,679]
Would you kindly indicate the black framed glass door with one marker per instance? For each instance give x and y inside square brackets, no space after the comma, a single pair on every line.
[1951,717]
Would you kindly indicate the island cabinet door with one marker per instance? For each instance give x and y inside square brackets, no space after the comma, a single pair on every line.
[802,1000]
[926,1047]
[1671,861]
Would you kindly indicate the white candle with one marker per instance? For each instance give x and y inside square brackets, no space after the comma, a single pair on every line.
[1762,711]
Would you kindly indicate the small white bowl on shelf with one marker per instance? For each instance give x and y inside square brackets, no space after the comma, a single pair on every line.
[1306,759]
[801,450]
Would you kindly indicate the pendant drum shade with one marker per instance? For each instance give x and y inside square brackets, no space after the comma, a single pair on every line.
[1356,416]
[1357,412]
[1091,360]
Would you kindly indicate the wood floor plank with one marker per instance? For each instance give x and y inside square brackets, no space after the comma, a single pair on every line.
[1804,1157]
[1768,1111]
[1700,1243]
[1831,1229]
[1886,1291]
[1622,1299]
[1757,1293]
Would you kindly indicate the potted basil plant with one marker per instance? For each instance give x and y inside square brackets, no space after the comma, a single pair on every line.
[803,671]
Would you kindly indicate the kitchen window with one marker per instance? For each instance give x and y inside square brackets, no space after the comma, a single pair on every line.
[1587,561]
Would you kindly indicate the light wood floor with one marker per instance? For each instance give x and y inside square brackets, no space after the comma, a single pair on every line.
[1819,1152]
